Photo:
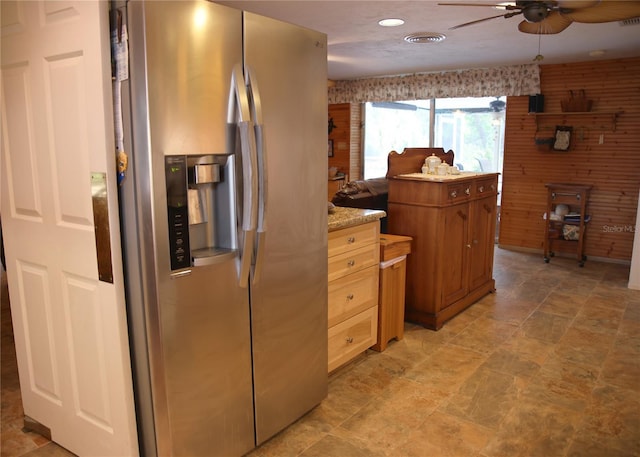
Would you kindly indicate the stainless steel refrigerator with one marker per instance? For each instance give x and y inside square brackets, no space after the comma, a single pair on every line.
[224,225]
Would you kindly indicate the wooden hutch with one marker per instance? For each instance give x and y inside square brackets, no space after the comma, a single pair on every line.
[452,222]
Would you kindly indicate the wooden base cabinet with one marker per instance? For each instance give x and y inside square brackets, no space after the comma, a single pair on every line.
[393,277]
[354,257]
[452,222]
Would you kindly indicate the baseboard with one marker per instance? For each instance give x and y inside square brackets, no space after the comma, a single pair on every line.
[563,254]
[32,425]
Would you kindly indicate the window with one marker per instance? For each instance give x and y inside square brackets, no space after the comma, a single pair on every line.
[390,127]
[472,127]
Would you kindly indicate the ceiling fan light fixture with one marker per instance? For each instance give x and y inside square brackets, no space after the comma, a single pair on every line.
[425,37]
[535,12]
[390,22]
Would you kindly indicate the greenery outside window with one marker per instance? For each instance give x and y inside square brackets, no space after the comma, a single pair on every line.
[472,127]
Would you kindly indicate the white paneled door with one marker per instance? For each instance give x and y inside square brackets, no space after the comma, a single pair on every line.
[57,133]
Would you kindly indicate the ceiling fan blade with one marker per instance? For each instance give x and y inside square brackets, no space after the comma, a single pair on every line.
[482,20]
[553,23]
[494,5]
[503,6]
[606,11]
[576,4]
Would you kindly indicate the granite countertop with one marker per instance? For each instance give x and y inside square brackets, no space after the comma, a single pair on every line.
[342,217]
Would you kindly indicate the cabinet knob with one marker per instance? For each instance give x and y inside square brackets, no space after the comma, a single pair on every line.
[481,189]
[351,262]
[351,239]
[350,297]
[469,246]
[349,339]
[453,194]
[467,191]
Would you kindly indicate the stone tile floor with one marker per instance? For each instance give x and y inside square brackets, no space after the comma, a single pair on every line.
[547,366]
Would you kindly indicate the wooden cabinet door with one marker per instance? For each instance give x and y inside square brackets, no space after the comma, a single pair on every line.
[482,240]
[455,253]
[422,296]
[69,315]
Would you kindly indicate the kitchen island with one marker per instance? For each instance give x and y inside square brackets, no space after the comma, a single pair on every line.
[354,257]
[452,221]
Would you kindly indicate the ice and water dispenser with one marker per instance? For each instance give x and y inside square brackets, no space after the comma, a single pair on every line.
[200,209]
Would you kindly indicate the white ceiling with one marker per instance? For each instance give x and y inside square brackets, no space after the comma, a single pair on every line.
[359,47]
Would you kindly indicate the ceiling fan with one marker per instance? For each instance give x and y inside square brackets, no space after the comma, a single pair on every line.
[544,17]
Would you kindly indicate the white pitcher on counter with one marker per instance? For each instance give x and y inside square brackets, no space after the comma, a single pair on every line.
[431,163]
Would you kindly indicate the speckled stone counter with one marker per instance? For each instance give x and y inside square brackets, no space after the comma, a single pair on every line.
[345,217]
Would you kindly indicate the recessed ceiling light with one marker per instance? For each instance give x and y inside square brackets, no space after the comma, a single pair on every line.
[391,22]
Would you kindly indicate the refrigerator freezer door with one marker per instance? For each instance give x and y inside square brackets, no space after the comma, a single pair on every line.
[196,320]
[289,299]
[207,355]
[191,49]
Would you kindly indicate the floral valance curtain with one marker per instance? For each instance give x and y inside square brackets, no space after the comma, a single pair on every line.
[480,82]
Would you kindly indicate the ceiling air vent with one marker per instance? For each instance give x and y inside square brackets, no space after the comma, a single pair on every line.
[632,21]
[425,37]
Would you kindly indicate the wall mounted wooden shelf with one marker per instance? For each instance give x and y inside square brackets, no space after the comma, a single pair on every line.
[597,120]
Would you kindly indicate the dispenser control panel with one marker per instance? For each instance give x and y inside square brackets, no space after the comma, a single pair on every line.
[177,210]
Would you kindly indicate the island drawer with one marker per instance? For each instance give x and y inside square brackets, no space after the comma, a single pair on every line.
[354,260]
[352,336]
[353,237]
[352,294]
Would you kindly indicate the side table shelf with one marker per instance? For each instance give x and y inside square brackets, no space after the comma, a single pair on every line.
[568,202]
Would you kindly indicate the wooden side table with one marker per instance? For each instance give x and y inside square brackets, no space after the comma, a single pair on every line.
[393,264]
[567,232]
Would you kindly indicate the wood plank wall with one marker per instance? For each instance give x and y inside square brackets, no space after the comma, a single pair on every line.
[341,136]
[355,145]
[346,138]
[613,167]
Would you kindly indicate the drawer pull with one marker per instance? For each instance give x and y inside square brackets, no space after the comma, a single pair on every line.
[467,191]
[351,239]
[349,339]
[350,297]
[351,262]
[481,189]
[454,194]
[493,187]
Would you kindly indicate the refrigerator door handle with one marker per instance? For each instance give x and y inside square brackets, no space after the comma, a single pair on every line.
[238,111]
[256,111]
